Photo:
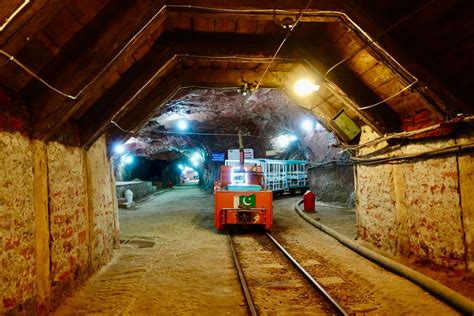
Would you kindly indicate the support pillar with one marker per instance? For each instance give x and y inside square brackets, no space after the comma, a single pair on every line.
[41,206]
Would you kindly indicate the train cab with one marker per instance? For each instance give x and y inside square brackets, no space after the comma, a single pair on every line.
[241,198]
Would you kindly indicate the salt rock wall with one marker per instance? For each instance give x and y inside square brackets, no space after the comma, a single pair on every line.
[419,210]
[332,176]
[17,222]
[332,183]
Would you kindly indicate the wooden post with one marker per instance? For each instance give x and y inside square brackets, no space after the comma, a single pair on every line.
[41,206]
[466,183]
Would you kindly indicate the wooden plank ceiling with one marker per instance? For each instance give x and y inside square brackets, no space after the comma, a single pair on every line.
[120,60]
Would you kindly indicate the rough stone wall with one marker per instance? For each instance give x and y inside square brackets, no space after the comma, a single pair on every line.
[69,226]
[17,222]
[101,203]
[414,209]
[332,179]
[332,183]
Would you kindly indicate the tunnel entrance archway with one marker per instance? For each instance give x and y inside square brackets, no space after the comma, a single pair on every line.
[213,116]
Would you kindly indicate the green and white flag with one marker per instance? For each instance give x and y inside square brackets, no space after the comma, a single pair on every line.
[245,201]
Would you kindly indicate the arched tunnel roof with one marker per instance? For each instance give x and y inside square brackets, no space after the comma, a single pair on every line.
[393,65]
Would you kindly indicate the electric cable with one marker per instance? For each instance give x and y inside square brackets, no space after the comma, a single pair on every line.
[377,38]
[454,149]
[25,68]
[10,18]
[461,119]
[390,97]
[273,58]
[212,134]
[283,42]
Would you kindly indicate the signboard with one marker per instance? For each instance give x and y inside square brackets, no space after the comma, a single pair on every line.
[234,154]
[218,156]
[270,153]
[346,125]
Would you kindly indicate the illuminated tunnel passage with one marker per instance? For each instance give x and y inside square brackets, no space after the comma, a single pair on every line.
[134,133]
[173,261]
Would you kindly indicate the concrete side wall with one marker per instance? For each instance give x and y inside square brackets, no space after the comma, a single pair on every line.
[418,209]
[140,189]
[57,219]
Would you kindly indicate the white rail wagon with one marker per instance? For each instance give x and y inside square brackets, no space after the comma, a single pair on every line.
[279,175]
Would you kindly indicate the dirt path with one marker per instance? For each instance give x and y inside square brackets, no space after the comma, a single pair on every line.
[184,266]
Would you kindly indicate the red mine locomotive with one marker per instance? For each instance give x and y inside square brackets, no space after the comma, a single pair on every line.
[240,198]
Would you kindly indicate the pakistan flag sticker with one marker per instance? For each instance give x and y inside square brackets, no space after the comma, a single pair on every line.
[245,201]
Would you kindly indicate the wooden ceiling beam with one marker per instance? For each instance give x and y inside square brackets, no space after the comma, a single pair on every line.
[137,115]
[131,113]
[144,75]
[32,19]
[71,71]
[311,16]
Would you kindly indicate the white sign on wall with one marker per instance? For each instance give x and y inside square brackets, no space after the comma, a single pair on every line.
[270,153]
[234,154]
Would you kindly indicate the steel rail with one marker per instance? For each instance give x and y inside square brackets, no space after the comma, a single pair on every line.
[243,282]
[307,275]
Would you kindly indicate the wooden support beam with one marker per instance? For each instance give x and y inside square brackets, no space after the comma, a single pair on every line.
[41,205]
[355,93]
[32,19]
[71,71]
[167,51]
[268,16]
[137,116]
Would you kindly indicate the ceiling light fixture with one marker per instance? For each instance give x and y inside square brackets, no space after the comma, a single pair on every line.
[119,149]
[182,125]
[287,23]
[307,125]
[127,159]
[304,87]
[284,140]
[246,89]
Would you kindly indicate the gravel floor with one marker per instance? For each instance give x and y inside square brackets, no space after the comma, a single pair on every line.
[173,262]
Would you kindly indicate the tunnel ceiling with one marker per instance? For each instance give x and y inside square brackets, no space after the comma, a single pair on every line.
[111,66]
[262,117]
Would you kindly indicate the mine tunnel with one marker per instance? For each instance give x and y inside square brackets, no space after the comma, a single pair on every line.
[156,156]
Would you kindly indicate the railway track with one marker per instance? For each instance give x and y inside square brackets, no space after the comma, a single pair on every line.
[274,282]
